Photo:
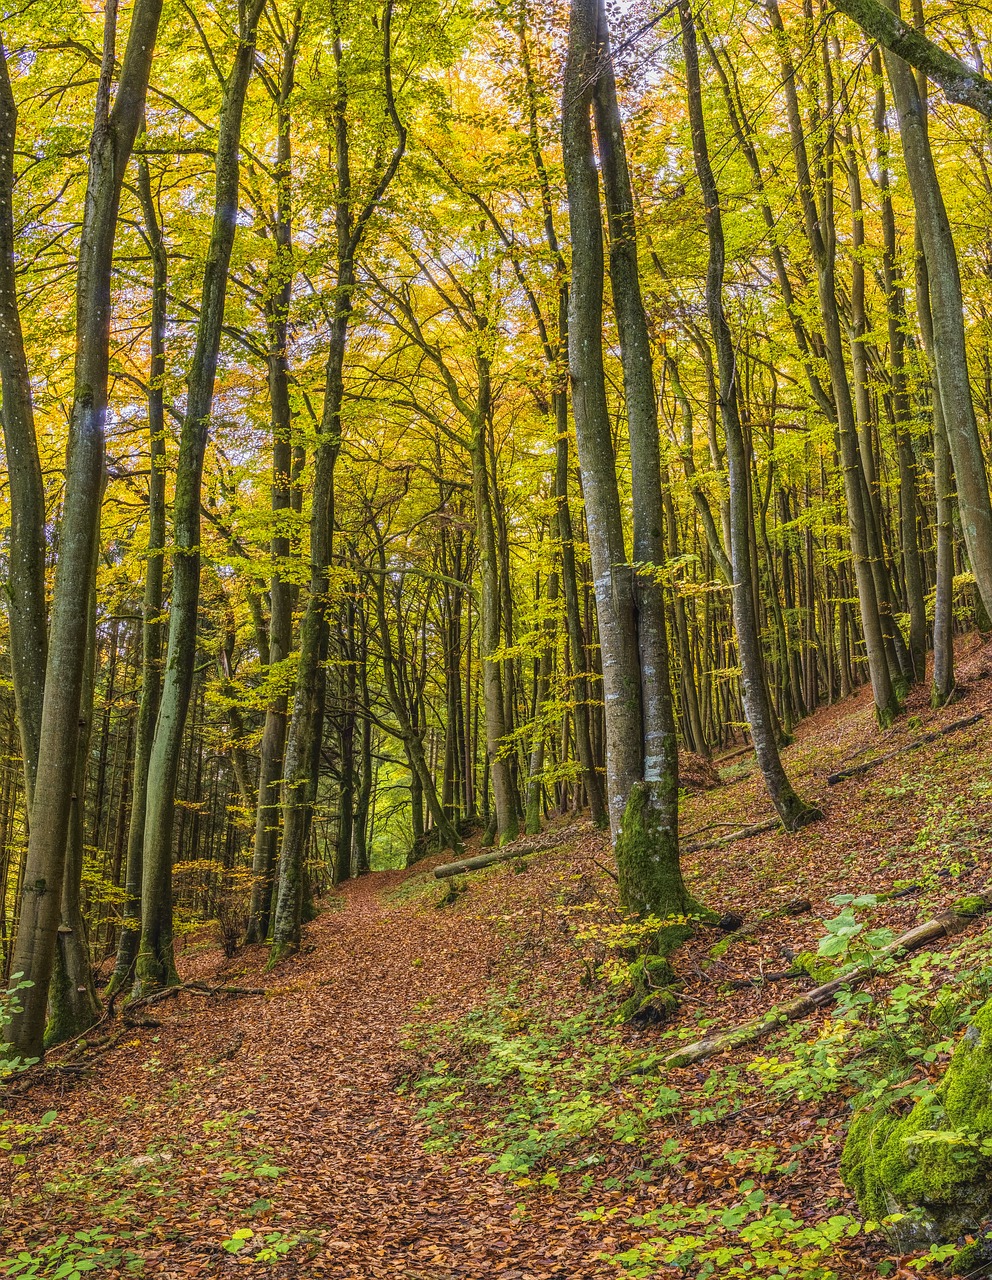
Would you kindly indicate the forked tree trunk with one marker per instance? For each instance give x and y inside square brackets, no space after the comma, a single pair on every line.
[649,870]
[613,577]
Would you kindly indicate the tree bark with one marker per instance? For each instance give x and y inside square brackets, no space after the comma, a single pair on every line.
[273,746]
[306,725]
[612,575]
[27,609]
[155,963]
[949,343]
[793,811]
[151,623]
[112,140]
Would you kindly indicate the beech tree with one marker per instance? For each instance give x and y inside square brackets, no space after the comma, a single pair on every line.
[430,433]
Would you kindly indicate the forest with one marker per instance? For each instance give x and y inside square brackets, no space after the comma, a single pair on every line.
[495,638]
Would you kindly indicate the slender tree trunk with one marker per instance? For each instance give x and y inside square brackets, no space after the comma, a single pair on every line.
[151,624]
[273,744]
[111,143]
[497,748]
[942,690]
[821,234]
[155,964]
[896,320]
[306,725]
[793,811]
[535,771]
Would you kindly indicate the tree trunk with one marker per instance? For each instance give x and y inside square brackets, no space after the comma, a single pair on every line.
[612,574]
[949,344]
[155,964]
[273,746]
[151,625]
[793,811]
[650,873]
[821,234]
[73,1005]
[26,609]
[306,725]
[111,143]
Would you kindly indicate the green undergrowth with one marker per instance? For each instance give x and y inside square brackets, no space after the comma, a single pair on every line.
[553,1098]
[211,1169]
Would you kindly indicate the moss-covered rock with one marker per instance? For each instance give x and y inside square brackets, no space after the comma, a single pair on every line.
[933,1165]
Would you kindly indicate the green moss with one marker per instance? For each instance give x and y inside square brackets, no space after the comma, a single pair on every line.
[648,857]
[654,998]
[720,949]
[819,969]
[934,1164]
[975,905]
[973,1260]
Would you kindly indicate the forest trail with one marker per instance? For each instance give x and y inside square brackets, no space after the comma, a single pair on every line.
[308,1080]
[273,1135]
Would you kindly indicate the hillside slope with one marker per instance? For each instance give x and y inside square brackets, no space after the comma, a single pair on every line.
[437,1086]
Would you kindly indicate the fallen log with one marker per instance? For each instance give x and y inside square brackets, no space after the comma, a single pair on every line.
[481,860]
[743,834]
[509,854]
[857,769]
[943,926]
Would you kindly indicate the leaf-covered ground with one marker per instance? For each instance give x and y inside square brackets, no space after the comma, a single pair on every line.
[436,1089]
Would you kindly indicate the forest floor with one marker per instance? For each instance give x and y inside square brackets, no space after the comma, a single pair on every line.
[440,1088]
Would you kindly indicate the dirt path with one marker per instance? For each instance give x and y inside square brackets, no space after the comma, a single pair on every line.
[313,1071]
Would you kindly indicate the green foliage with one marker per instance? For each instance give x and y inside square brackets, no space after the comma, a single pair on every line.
[755,1237]
[269,1246]
[70,1257]
[17,1137]
[847,937]
[870,1044]
[9,1006]
[544,1087]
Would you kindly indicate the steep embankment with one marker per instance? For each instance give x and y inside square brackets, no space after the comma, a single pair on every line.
[343,1123]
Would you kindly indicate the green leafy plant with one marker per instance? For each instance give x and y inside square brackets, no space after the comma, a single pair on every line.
[70,1257]
[752,1238]
[10,1005]
[847,938]
[269,1246]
